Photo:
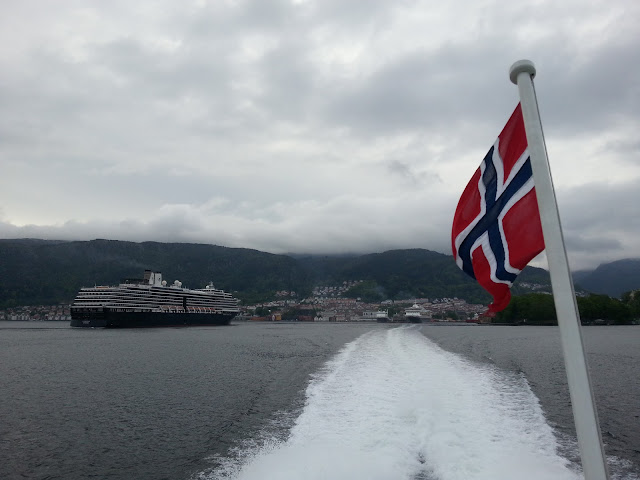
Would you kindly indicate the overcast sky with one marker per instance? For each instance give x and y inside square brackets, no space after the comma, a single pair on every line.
[324,126]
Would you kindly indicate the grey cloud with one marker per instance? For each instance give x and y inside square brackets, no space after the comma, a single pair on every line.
[222,20]
[580,95]
[601,222]
[288,81]
[421,91]
[402,169]
[628,150]
[342,224]
[603,207]
[202,139]
[411,174]
[578,243]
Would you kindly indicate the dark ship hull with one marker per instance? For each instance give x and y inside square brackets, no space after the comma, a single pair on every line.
[111,319]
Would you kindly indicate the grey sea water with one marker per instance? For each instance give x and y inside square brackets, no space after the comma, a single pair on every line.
[146,403]
[613,355]
[180,403]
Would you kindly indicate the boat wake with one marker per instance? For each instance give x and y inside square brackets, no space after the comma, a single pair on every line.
[394,405]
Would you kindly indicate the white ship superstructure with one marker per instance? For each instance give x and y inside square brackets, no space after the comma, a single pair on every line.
[417,313]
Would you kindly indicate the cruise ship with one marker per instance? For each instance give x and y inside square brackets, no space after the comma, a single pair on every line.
[150,302]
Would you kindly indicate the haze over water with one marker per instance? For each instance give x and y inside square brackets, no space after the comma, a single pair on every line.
[306,401]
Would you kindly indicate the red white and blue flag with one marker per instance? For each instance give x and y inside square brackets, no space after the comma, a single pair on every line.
[496,228]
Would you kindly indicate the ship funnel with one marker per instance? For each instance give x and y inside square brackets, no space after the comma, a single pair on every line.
[152,278]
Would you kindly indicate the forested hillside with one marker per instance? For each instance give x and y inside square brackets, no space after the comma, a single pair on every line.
[45,272]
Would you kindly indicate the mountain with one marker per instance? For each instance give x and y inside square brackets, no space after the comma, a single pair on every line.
[45,272]
[52,272]
[611,279]
[578,275]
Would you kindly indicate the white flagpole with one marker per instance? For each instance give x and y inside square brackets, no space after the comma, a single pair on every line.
[582,400]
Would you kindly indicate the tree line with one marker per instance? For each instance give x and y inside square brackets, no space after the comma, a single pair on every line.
[539,309]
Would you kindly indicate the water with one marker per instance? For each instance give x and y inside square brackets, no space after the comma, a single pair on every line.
[535,352]
[310,401]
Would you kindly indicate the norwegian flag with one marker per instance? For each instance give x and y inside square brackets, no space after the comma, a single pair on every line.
[496,228]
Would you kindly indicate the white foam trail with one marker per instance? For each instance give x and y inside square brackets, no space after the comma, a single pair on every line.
[393,405]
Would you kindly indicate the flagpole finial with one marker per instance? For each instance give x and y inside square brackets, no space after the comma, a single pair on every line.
[521,66]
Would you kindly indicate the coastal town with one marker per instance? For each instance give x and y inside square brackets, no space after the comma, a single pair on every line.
[37,313]
[325,304]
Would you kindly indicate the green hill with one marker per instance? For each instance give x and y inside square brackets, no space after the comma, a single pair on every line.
[52,272]
[46,272]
